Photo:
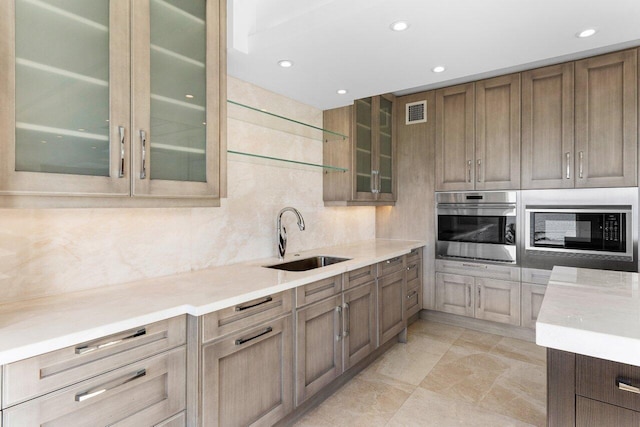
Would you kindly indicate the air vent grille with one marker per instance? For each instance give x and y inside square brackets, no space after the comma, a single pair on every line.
[416,112]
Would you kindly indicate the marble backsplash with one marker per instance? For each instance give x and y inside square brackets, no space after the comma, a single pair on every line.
[51,251]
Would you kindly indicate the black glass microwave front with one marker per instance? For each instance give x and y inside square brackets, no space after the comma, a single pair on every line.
[593,231]
[489,229]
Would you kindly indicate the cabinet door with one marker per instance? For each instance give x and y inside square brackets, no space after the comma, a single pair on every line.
[498,300]
[454,294]
[247,377]
[384,167]
[591,413]
[606,120]
[359,323]
[391,312]
[178,97]
[532,296]
[64,116]
[364,135]
[318,346]
[547,127]
[498,133]
[455,138]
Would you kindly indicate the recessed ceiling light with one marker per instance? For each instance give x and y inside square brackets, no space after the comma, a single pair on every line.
[285,63]
[438,69]
[43,141]
[399,26]
[81,129]
[341,91]
[189,96]
[586,33]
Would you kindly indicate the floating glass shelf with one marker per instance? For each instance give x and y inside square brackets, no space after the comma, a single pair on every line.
[270,120]
[259,156]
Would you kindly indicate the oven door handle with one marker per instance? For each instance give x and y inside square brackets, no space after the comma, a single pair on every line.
[477,205]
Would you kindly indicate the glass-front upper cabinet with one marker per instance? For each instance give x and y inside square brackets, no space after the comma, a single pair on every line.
[112,98]
[374,149]
[176,98]
[64,86]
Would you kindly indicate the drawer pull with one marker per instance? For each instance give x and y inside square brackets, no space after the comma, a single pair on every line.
[346,320]
[475,266]
[389,261]
[244,340]
[245,307]
[80,397]
[86,348]
[411,267]
[623,384]
[412,294]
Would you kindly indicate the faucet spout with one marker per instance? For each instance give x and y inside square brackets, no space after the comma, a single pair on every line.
[282,231]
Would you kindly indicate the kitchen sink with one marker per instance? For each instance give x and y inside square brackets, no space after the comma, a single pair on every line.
[307,263]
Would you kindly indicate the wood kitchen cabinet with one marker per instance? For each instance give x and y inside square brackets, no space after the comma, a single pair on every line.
[359,334]
[478,135]
[480,297]
[548,155]
[120,99]
[606,120]
[369,156]
[413,293]
[391,302]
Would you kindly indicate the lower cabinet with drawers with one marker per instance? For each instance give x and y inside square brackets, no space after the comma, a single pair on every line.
[584,391]
[134,378]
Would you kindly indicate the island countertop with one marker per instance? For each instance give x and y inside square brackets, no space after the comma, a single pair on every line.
[592,312]
[32,327]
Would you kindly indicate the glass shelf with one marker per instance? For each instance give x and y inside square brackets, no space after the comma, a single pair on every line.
[325,167]
[266,119]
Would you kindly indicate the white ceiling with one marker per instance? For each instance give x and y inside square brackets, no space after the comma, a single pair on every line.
[347,44]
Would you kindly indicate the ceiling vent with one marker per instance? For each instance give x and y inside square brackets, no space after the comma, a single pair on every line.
[416,112]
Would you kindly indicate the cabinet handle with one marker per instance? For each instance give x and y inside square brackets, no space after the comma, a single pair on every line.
[346,320]
[469,295]
[248,306]
[389,261]
[83,349]
[80,397]
[411,267]
[336,322]
[412,294]
[568,158]
[374,181]
[481,266]
[580,171]
[624,385]
[121,135]
[478,170]
[469,170]
[241,341]
[143,146]
[479,296]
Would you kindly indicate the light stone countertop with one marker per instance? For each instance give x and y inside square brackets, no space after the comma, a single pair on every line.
[592,312]
[32,327]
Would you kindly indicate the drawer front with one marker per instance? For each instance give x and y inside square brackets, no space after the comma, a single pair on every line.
[143,393]
[222,322]
[476,269]
[414,256]
[413,270]
[598,379]
[42,374]
[179,420]
[319,290]
[390,266]
[360,276]
[414,297]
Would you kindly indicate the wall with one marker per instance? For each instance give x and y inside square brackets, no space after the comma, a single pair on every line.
[49,251]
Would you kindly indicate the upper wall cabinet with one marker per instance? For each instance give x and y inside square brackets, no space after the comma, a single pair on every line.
[478,135]
[370,156]
[547,127]
[606,123]
[112,98]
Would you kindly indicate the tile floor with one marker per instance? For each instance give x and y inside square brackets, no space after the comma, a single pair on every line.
[444,376]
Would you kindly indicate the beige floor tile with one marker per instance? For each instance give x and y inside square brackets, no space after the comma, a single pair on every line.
[521,350]
[425,408]
[478,341]
[435,330]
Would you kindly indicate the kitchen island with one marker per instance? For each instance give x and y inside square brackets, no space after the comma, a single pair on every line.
[590,323]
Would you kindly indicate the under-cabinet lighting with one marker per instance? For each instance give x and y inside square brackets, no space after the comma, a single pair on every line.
[285,63]
[399,26]
[438,69]
[586,33]
[189,96]
[81,129]
[341,91]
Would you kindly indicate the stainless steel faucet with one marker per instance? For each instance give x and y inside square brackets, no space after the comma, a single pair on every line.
[282,231]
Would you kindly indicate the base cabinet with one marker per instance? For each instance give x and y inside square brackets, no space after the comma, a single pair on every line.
[391,297]
[360,323]
[247,377]
[413,295]
[532,296]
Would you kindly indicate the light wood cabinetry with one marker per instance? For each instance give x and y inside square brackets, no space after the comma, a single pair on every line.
[359,333]
[532,296]
[480,297]
[369,156]
[606,120]
[413,293]
[247,377]
[547,127]
[102,382]
[139,136]
[478,135]
[391,305]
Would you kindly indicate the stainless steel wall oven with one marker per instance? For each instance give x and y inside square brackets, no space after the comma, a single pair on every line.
[477,225]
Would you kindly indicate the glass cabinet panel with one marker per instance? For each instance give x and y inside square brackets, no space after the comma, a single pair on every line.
[178,90]
[385,129]
[364,137]
[62,87]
